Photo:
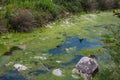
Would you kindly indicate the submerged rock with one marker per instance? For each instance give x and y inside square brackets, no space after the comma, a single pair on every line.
[20,67]
[57,72]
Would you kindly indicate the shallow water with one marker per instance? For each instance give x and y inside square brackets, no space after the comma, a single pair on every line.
[73,44]
[12,75]
[66,41]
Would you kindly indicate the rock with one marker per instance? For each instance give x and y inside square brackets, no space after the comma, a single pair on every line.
[87,67]
[58,61]
[1,8]
[22,47]
[57,72]
[20,67]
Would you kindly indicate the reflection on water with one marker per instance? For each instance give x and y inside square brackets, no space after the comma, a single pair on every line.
[73,44]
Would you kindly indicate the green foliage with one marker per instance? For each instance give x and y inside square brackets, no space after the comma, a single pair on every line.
[42,12]
[49,10]
[70,5]
[3,48]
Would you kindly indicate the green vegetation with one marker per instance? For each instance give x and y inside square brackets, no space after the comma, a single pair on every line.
[28,15]
[41,40]
[13,13]
[112,41]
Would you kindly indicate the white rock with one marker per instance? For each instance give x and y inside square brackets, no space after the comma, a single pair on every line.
[22,46]
[57,72]
[58,61]
[1,8]
[20,67]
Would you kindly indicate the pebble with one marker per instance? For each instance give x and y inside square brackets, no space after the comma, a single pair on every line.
[57,72]
[20,67]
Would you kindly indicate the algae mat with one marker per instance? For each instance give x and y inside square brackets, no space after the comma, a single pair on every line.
[59,45]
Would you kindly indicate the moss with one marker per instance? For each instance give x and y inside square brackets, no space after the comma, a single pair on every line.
[3,49]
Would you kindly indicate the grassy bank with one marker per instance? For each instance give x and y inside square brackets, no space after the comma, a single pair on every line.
[26,15]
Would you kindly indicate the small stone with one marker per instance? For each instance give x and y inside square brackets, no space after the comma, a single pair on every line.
[1,8]
[57,72]
[22,47]
[58,61]
[20,67]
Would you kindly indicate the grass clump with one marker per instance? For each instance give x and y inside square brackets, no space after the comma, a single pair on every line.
[70,5]
[22,21]
[22,16]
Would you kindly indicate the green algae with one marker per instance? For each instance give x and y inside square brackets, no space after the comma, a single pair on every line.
[41,40]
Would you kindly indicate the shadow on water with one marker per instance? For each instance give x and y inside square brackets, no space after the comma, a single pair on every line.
[12,75]
[73,44]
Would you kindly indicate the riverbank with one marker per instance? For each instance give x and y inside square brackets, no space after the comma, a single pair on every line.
[25,16]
